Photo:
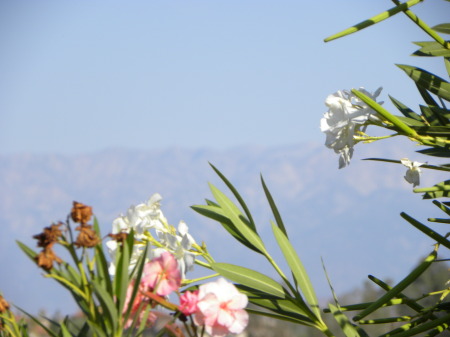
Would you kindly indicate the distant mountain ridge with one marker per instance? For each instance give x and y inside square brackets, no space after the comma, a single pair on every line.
[349,216]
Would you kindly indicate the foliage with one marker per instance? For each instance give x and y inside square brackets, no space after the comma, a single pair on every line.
[107,300]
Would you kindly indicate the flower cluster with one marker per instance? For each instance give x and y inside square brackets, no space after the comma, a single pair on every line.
[145,218]
[161,276]
[346,115]
[217,306]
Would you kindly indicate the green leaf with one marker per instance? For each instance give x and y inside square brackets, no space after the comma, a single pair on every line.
[443,152]
[109,310]
[437,191]
[442,323]
[283,317]
[274,208]
[237,196]
[216,213]
[241,224]
[431,49]
[298,270]
[426,230]
[121,278]
[428,81]
[410,278]
[102,268]
[447,64]
[442,28]
[64,331]
[442,207]
[348,328]
[407,112]
[377,18]
[250,278]
[38,322]
[410,121]
[27,250]
[435,117]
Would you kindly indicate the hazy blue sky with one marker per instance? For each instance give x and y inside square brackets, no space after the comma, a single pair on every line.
[81,76]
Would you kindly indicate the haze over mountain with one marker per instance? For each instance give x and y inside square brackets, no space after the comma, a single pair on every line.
[349,217]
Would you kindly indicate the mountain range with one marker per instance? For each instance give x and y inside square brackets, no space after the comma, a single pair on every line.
[348,217]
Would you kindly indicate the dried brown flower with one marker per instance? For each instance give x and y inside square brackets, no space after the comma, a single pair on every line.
[49,235]
[4,306]
[81,213]
[119,237]
[87,237]
[46,257]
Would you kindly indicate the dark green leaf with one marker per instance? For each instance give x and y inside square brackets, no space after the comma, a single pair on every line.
[434,116]
[303,320]
[428,231]
[428,81]
[407,112]
[274,208]
[109,310]
[397,289]
[442,323]
[443,152]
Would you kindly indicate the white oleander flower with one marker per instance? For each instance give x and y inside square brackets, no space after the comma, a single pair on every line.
[412,175]
[179,244]
[148,216]
[346,115]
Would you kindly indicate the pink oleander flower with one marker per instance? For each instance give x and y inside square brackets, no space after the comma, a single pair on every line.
[188,302]
[161,275]
[220,308]
[138,307]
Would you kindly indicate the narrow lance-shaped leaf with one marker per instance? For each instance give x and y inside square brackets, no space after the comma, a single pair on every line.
[349,329]
[250,278]
[274,208]
[216,213]
[427,230]
[298,270]
[431,48]
[442,28]
[236,217]
[237,196]
[426,80]
[400,286]
[373,20]
[406,111]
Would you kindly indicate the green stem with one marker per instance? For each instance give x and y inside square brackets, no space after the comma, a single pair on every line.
[431,32]
[372,139]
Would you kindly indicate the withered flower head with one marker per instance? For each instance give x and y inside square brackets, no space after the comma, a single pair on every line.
[46,257]
[119,237]
[49,236]
[4,306]
[87,237]
[81,213]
